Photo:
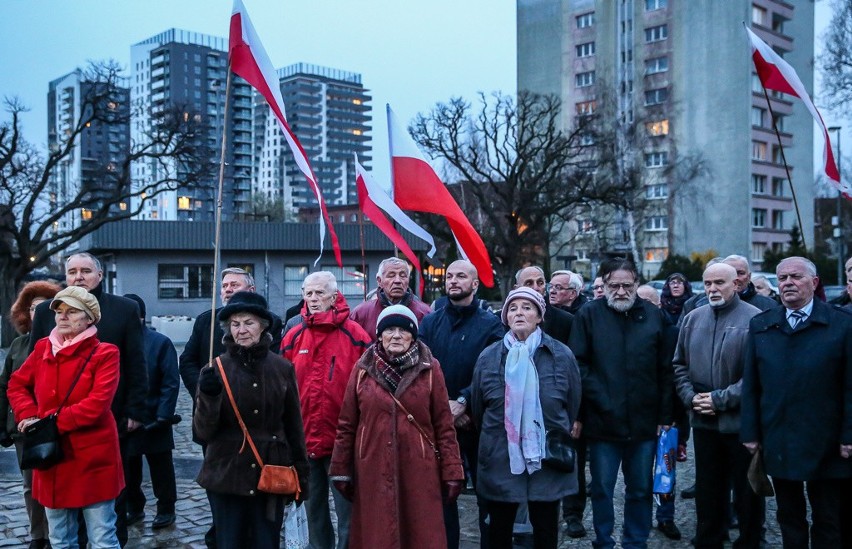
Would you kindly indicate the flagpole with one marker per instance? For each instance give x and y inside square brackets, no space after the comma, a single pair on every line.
[784,160]
[363,254]
[217,245]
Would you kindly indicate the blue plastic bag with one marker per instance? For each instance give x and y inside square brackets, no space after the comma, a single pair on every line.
[664,464]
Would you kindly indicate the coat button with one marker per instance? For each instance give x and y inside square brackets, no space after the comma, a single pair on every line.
[256,412]
[251,492]
[253,465]
[254,384]
[274,437]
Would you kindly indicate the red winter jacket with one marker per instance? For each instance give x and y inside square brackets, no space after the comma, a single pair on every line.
[91,471]
[323,348]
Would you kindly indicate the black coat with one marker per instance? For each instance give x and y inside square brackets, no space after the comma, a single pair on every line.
[163,388]
[120,326]
[625,364]
[797,392]
[557,323]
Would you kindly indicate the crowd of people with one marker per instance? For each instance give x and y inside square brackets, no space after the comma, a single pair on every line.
[393,407]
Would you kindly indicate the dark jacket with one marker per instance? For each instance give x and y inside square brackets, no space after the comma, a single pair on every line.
[575,305]
[709,359]
[15,356]
[559,393]
[749,295]
[625,363]
[367,313]
[557,323]
[120,326]
[456,336]
[797,392]
[264,387]
[163,388]
[196,352]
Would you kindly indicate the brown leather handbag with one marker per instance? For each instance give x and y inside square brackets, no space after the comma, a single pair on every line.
[274,479]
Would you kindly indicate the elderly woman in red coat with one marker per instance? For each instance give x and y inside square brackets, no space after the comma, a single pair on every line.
[397,472]
[90,476]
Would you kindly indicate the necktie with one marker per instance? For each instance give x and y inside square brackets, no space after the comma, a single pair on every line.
[796,318]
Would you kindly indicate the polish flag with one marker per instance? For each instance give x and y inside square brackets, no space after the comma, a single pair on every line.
[418,188]
[369,193]
[776,74]
[248,59]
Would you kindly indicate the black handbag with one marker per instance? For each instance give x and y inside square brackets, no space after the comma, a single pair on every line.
[559,451]
[42,448]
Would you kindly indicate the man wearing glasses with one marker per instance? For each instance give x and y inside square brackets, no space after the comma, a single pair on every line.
[564,291]
[623,347]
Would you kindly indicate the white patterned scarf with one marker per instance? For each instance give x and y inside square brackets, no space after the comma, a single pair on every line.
[524,421]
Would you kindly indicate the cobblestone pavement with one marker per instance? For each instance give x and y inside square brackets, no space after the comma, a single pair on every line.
[193,512]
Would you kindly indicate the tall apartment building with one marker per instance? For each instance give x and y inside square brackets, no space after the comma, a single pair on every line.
[328,110]
[188,71]
[683,71]
[98,150]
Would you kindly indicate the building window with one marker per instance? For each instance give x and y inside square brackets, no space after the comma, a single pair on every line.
[656,159]
[657,255]
[758,184]
[758,218]
[756,84]
[184,281]
[657,223]
[586,50]
[655,34]
[293,278]
[654,192]
[184,203]
[778,186]
[350,280]
[758,151]
[658,128]
[777,155]
[584,79]
[585,226]
[656,65]
[656,97]
[758,15]
[757,251]
[651,5]
[585,108]
[778,220]
[758,117]
[586,20]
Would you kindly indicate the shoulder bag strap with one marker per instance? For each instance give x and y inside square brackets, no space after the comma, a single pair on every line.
[413,421]
[246,435]
[76,379]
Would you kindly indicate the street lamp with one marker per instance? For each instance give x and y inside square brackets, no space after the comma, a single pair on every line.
[838,231]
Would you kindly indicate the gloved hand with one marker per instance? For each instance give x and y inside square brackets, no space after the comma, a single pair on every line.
[346,489]
[451,489]
[6,440]
[209,382]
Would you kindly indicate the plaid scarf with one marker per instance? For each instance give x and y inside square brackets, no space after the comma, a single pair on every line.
[392,368]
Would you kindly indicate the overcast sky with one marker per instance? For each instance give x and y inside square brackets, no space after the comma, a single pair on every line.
[411,53]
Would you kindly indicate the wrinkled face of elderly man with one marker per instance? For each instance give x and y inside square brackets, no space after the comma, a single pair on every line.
[393,280]
[796,282]
[561,290]
[720,284]
[532,277]
[319,294]
[620,290]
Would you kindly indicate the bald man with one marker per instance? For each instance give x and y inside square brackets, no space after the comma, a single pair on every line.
[457,334]
[708,365]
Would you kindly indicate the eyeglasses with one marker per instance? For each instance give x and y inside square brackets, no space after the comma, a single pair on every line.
[615,286]
[560,288]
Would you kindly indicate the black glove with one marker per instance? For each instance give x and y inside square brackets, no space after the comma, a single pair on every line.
[6,440]
[209,382]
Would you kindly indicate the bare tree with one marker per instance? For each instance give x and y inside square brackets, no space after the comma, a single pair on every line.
[518,173]
[31,224]
[836,61]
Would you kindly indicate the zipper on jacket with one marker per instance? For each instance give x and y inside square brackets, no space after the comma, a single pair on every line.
[331,370]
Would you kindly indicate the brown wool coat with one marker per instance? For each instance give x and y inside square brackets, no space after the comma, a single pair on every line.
[396,475]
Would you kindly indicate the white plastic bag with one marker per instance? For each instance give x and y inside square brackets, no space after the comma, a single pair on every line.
[295,527]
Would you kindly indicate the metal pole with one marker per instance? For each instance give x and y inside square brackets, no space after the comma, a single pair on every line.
[838,229]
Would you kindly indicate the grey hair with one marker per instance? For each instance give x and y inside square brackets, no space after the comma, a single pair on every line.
[518,274]
[238,271]
[809,265]
[575,281]
[714,261]
[226,325]
[392,261]
[322,276]
[87,255]
[736,257]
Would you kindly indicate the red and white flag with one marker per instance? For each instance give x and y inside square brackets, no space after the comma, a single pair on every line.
[248,59]
[418,188]
[776,74]
[369,193]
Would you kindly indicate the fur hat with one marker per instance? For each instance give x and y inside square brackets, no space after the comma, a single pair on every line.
[246,302]
[79,298]
[20,312]
[397,316]
[525,293]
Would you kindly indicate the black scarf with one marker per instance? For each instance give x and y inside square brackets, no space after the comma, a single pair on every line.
[386,302]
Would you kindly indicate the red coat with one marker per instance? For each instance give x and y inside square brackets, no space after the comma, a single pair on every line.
[91,471]
[323,348]
[396,475]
